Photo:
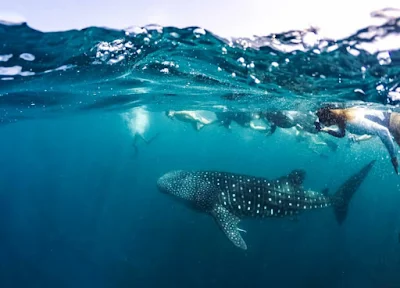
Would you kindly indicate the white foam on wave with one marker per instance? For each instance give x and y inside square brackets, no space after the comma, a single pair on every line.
[14,70]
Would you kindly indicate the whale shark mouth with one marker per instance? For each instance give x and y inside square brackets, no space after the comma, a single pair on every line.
[171,182]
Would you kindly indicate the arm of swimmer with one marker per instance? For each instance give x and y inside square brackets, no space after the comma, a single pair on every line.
[363,138]
[340,132]
[272,129]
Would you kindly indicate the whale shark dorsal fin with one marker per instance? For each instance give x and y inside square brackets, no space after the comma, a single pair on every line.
[296,177]
[228,224]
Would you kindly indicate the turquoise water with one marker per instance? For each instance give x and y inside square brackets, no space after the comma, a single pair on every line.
[78,202]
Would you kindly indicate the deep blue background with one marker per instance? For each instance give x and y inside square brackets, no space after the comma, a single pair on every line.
[79,209]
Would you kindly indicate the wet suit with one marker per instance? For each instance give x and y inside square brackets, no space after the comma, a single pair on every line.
[241,118]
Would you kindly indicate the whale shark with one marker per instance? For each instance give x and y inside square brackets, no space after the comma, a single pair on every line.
[231,197]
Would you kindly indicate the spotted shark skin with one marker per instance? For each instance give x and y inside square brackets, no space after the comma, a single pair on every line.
[230,197]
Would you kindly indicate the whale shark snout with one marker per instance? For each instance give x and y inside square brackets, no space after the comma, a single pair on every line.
[168,182]
[189,188]
[177,183]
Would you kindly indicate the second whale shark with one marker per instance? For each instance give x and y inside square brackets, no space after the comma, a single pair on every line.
[230,197]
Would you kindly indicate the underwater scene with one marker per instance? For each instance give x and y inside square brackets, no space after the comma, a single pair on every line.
[172,157]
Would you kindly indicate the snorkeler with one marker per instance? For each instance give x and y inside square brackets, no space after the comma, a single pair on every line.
[289,119]
[302,122]
[243,119]
[138,122]
[198,118]
[362,121]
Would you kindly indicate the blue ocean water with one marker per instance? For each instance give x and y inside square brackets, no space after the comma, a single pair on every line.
[78,203]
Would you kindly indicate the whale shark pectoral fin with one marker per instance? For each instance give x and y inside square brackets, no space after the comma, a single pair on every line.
[228,224]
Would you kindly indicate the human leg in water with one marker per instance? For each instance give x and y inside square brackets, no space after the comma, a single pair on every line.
[394,126]
[373,128]
[333,146]
[147,141]
[272,129]
[322,155]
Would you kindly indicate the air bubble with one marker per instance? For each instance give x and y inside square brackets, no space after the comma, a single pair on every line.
[353,51]
[174,34]
[27,57]
[5,58]
[199,32]
[384,58]
[253,79]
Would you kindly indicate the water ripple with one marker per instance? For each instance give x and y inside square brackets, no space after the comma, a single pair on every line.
[102,69]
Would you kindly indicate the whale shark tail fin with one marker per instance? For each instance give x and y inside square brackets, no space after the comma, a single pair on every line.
[343,195]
